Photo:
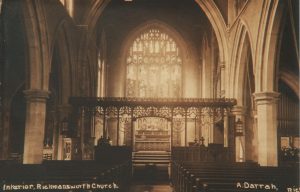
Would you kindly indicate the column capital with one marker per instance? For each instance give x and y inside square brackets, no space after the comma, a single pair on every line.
[36,95]
[266,97]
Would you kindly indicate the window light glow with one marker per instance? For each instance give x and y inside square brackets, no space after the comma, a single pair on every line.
[153,66]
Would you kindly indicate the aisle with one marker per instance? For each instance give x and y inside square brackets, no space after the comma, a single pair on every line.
[151,177]
[150,188]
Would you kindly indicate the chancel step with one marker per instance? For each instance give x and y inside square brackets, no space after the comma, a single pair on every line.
[158,158]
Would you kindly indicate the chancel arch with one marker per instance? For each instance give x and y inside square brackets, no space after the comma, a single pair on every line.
[189,71]
[95,10]
[156,62]
[93,14]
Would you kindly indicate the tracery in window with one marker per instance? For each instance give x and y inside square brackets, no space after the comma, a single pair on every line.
[154,66]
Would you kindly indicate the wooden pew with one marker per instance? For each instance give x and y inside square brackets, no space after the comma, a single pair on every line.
[66,173]
[189,176]
[100,171]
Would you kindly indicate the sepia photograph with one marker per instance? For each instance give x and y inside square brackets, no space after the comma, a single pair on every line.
[149,96]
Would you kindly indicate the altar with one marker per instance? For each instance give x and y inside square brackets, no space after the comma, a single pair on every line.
[152,134]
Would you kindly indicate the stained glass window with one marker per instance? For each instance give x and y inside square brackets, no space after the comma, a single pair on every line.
[153,66]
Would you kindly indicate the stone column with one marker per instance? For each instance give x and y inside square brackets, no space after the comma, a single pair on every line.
[239,113]
[266,105]
[35,125]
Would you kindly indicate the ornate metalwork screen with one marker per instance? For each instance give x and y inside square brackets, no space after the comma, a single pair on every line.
[172,118]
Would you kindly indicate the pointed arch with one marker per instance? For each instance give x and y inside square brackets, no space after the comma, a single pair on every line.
[38,45]
[242,87]
[87,30]
[242,53]
[291,80]
[266,55]
[189,73]
[160,25]
[62,44]
[215,17]
[208,6]
[221,31]
[207,65]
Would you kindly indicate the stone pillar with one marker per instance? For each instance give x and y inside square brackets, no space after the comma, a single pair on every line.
[266,105]
[35,125]
[239,113]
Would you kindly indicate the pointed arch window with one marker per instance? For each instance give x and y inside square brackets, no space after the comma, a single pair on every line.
[154,66]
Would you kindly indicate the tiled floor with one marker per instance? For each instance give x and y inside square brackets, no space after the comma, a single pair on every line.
[151,188]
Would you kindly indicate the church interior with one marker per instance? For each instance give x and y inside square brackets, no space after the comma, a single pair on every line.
[149,95]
